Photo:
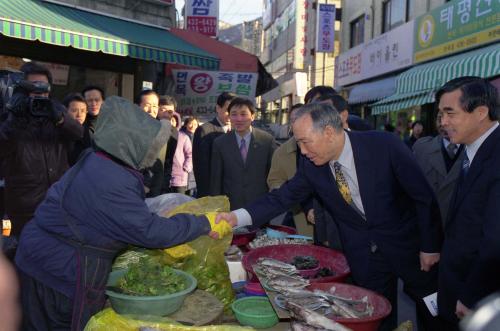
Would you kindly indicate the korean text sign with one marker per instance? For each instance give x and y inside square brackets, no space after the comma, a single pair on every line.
[196,91]
[456,26]
[325,28]
[202,16]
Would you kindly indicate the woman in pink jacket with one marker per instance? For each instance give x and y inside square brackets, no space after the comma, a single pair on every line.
[182,164]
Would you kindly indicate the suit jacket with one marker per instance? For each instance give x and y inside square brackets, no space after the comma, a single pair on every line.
[402,215]
[470,260]
[241,182]
[203,139]
[428,152]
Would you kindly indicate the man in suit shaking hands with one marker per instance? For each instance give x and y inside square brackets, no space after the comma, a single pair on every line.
[470,265]
[369,181]
[242,158]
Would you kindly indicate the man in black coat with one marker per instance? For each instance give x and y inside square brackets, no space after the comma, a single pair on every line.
[203,139]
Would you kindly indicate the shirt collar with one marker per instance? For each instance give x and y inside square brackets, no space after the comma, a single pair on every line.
[474,147]
[346,157]
[246,137]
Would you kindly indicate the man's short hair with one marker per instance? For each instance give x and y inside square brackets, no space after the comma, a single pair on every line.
[320,89]
[143,93]
[322,115]
[167,100]
[33,68]
[224,97]
[476,92]
[73,97]
[93,87]
[337,101]
[239,102]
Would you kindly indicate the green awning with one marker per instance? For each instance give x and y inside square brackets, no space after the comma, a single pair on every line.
[67,26]
[417,85]
[402,101]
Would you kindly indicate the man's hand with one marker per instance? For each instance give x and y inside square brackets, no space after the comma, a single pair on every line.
[310,216]
[461,310]
[228,217]
[218,229]
[213,235]
[427,260]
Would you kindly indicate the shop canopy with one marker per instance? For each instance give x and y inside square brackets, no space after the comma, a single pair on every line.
[68,26]
[372,91]
[417,86]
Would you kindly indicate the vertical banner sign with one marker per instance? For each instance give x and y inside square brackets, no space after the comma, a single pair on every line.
[325,28]
[455,27]
[202,16]
[196,91]
[301,18]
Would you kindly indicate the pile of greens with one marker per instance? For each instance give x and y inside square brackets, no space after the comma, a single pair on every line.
[150,278]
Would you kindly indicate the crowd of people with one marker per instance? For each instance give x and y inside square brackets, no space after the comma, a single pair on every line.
[76,176]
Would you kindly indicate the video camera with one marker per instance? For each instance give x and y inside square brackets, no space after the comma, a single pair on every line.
[15,96]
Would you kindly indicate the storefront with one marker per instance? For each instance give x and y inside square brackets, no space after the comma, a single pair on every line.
[118,54]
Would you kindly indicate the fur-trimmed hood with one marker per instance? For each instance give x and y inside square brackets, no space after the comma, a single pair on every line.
[129,134]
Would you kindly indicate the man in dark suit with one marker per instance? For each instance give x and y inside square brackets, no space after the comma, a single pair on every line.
[241,159]
[371,184]
[470,265]
[440,161]
[203,139]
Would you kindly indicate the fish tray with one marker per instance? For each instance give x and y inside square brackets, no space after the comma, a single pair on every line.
[381,305]
[328,258]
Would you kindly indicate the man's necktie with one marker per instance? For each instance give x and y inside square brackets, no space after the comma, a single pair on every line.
[243,150]
[451,150]
[342,183]
[465,165]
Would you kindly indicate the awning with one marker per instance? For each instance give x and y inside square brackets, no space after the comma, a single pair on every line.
[425,79]
[373,90]
[67,26]
[402,101]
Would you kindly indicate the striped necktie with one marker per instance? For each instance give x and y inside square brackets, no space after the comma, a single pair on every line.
[465,165]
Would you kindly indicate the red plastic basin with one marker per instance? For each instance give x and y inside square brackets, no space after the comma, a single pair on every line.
[381,305]
[330,258]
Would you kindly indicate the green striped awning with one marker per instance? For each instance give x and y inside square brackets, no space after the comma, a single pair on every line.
[417,85]
[402,101]
[67,26]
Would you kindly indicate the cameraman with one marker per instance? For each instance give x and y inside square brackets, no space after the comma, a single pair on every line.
[34,139]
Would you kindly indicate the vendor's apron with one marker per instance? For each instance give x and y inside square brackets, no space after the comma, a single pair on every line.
[93,264]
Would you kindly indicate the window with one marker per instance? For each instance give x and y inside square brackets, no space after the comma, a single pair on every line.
[358,31]
[395,13]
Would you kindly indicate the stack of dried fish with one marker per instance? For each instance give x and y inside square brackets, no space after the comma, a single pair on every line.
[308,320]
[279,276]
[264,240]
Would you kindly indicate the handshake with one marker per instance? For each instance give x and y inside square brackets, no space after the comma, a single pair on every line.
[221,224]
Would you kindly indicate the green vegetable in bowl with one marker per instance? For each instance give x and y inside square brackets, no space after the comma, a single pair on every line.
[147,278]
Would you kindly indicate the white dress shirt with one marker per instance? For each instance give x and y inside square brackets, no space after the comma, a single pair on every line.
[472,149]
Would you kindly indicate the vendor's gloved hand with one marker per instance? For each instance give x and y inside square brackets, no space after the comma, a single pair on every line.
[222,228]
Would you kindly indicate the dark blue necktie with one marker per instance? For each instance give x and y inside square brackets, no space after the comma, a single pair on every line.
[465,164]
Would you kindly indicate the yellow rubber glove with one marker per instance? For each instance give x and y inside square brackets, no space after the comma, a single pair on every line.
[222,228]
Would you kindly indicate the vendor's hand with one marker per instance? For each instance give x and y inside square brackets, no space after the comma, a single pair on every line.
[228,217]
[427,260]
[219,228]
[310,216]
[461,310]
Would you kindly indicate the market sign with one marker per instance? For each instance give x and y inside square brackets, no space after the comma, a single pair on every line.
[301,19]
[386,53]
[456,26]
[202,16]
[325,28]
[196,91]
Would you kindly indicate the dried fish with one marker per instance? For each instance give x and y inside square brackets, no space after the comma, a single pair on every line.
[313,319]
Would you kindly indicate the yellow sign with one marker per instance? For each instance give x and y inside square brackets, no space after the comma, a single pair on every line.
[426,30]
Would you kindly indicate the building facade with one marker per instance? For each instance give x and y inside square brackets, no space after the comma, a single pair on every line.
[290,54]
[396,53]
